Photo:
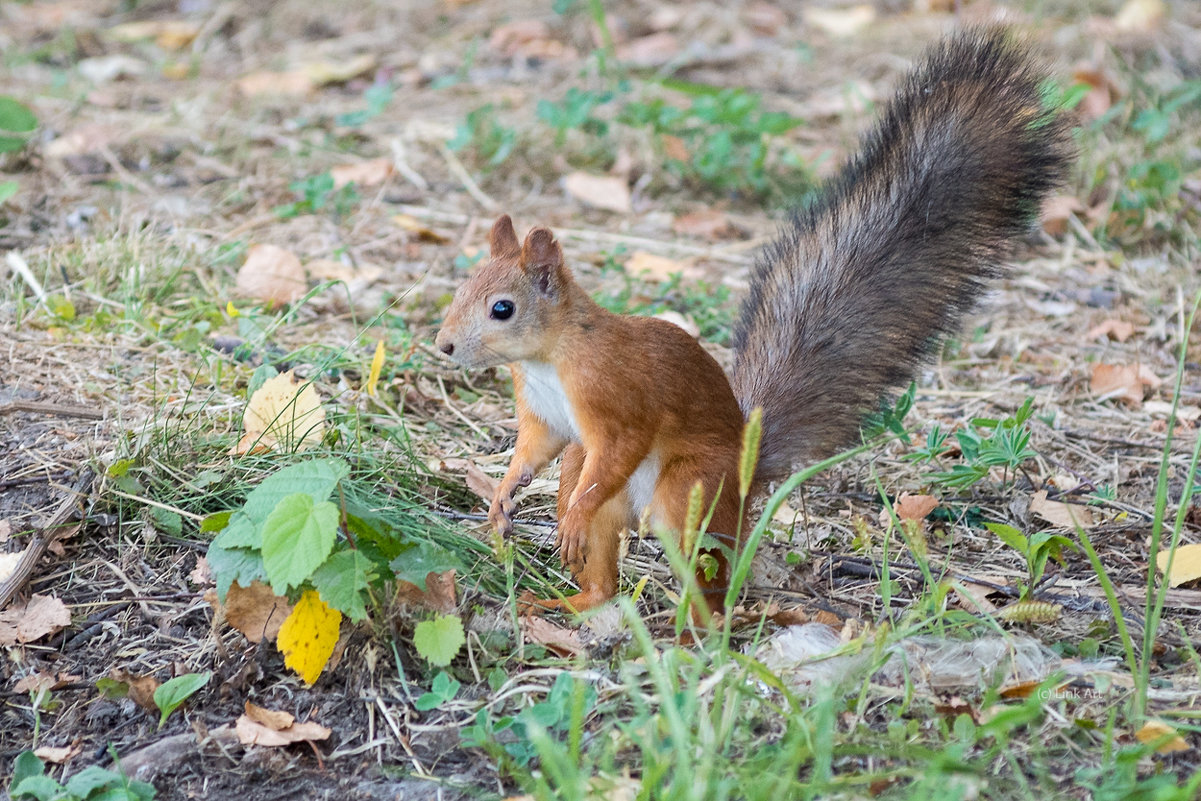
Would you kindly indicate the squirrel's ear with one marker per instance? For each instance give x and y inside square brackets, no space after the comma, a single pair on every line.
[542,260]
[502,239]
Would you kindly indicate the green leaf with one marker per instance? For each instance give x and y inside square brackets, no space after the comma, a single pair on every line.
[239,531]
[172,693]
[1010,536]
[234,564]
[217,521]
[297,537]
[25,766]
[315,478]
[111,688]
[8,189]
[167,520]
[91,779]
[43,788]
[262,374]
[10,143]
[420,560]
[340,582]
[438,640]
[16,116]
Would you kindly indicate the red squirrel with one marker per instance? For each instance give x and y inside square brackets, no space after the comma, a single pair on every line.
[843,307]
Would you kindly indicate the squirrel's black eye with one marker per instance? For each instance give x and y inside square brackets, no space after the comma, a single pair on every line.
[502,309]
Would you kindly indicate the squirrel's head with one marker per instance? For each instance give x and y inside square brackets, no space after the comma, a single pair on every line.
[505,309]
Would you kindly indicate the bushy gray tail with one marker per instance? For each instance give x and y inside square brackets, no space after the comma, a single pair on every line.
[848,302]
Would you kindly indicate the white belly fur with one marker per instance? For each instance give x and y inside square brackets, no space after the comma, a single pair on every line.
[641,485]
[543,394]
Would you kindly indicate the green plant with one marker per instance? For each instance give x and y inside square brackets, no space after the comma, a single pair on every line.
[93,783]
[378,96]
[987,443]
[316,193]
[442,690]
[483,133]
[574,113]
[1036,549]
[170,695]
[16,123]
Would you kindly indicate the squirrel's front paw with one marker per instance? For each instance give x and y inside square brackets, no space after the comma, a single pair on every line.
[573,533]
[500,513]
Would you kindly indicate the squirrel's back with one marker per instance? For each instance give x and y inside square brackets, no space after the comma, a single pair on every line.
[851,298]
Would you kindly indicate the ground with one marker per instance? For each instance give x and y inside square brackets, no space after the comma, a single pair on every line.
[163,154]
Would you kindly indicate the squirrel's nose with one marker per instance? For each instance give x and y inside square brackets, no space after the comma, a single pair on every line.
[447,347]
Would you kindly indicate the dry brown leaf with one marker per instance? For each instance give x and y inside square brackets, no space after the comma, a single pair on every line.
[423,232]
[291,83]
[43,681]
[674,147]
[330,270]
[58,756]
[707,223]
[1113,328]
[273,719]
[1188,414]
[1101,94]
[1061,515]
[169,34]
[1140,16]
[563,641]
[255,611]
[271,274]
[647,52]
[87,138]
[656,268]
[323,73]
[282,414]
[1155,729]
[8,563]
[480,482]
[599,191]
[914,507]
[1186,566]
[363,173]
[439,593]
[840,22]
[680,321]
[764,18]
[6,531]
[1124,382]
[528,38]
[201,574]
[1057,211]
[140,688]
[40,616]
[251,732]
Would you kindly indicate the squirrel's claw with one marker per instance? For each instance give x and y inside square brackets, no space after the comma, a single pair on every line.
[500,514]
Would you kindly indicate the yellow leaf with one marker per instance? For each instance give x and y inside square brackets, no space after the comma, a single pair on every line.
[377,364]
[1186,566]
[1154,730]
[282,413]
[308,636]
[231,309]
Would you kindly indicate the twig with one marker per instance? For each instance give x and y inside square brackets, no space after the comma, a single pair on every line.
[57,409]
[44,537]
[460,172]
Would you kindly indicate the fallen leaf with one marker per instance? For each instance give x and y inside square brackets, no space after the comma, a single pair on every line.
[103,69]
[765,18]
[647,52]
[1115,329]
[1140,16]
[1057,211]
[271,274]
[276,720]
[255,611]
[707,223]
[563,641]
[251,732]
[1061,515]
[169,34]
[8,563]
[308,637]
[440,593]
[330,270]
[480,482]
[40,616]
[139,689]
[656,268]
[323,73]
[363,173]
[674,148]
[680,321]
[1186,566]
[1101,94]
[292,83]
[914,507]
[599,191]
[6,531]
[1153,730]
[424,232]
[1124,382]
[528,38]
[58,756]
[1188,414]
[79,141]
[839,22]
[201,574]
[282,414]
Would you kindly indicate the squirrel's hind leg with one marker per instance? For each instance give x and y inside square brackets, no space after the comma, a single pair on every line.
[596,572]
